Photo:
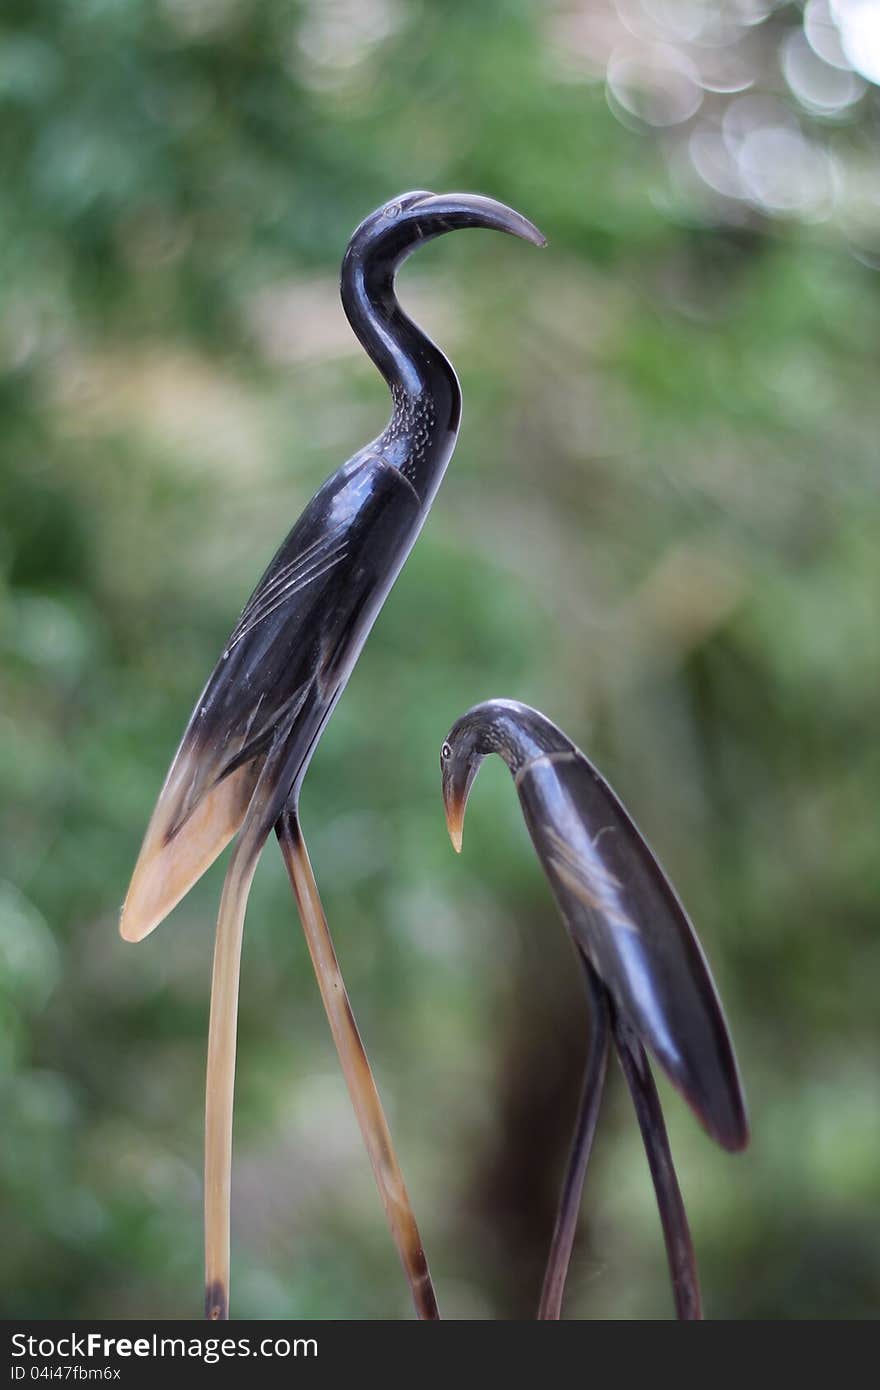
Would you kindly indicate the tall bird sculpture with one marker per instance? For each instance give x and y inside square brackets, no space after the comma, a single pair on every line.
[251,736]
[647,977]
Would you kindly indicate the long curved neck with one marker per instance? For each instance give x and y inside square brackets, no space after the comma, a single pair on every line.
[424,388]
[520,734]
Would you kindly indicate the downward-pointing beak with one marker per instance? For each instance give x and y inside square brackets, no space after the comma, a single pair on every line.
[447,212]
[454,820]
[457,777]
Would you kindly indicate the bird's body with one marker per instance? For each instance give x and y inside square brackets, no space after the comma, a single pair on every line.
[288,662]
[299,636]
[627,922]
[603,874]
[252,733]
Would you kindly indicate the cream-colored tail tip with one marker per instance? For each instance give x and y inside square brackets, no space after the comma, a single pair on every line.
[130,929]
[160,879]
[170,862]
[125,930]
[455,837]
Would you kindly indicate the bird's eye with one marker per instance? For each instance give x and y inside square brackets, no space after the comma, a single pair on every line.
[392,210]
[445,753]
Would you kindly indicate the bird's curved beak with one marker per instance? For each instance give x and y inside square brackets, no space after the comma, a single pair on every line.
[448,212]
[457,776]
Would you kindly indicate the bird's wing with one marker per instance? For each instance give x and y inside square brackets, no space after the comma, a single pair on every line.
[200,808]
[295,569]
[278,672]
[627,918]
[259,686]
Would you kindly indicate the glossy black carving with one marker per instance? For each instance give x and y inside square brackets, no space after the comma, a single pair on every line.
[301,632]
[624,917]
[256,725]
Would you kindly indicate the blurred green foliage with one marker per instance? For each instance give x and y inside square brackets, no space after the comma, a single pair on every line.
[660,526]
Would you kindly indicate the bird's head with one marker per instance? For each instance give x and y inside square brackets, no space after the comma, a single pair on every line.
[464,748]
[495,726]
[394,230]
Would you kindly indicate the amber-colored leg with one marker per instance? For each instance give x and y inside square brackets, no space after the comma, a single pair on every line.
[356,1067]
[223,1028]
[673,1218]
[220,1081]
[585,1128]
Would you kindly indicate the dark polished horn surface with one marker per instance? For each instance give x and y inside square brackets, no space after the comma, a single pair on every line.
[640,952]
[255,727]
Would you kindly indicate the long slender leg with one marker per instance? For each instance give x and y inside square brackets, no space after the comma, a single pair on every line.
[356,1067]
[673,1218]
[220,1081]
[223,1027]
[561,1245]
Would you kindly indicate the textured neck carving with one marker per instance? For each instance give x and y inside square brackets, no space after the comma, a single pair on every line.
[407,441]
[424,388]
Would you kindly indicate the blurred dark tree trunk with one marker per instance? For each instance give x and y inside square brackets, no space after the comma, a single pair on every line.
[540,1062]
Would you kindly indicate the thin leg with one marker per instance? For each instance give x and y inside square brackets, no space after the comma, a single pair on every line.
[673,1218]
[220,1081]
[223,1027]
[585,1127]
[356,1068]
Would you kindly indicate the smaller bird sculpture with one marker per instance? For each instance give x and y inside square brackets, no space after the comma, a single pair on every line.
[648,982]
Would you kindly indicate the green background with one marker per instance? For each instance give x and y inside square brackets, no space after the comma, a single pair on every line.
[660,526]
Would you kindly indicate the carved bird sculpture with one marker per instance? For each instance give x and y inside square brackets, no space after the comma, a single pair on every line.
[254,729]
[648,981]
